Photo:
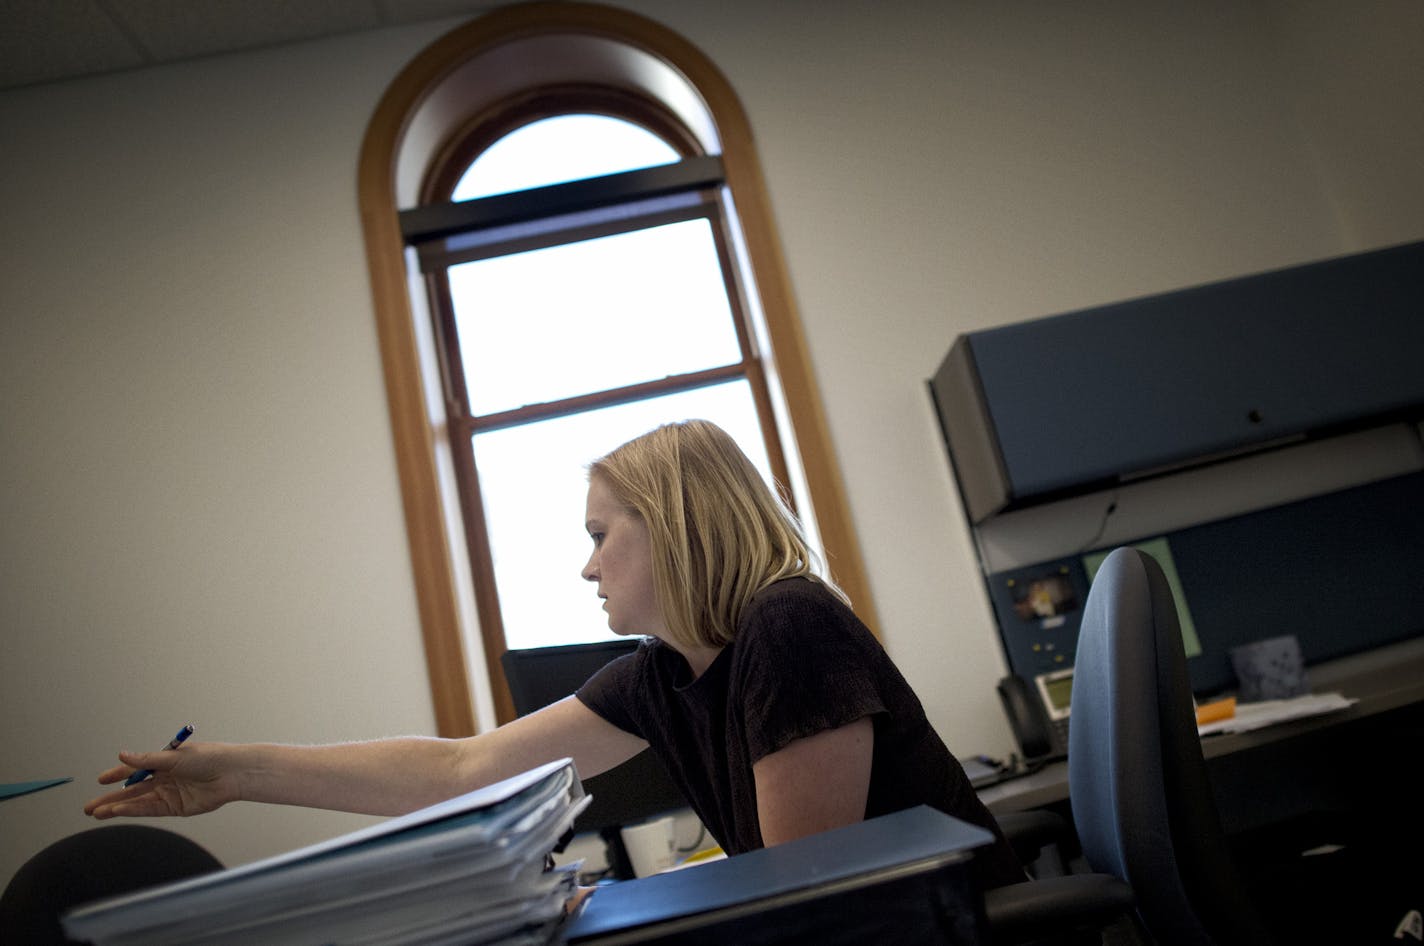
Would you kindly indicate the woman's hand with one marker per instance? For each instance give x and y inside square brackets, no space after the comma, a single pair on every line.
[576,899]
[187,781]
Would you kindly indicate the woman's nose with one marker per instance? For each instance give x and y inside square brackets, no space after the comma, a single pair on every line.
[590,570]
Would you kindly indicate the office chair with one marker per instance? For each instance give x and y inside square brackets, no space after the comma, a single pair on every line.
[1056,908]
[1144,809]
[92,865]
[1142,805]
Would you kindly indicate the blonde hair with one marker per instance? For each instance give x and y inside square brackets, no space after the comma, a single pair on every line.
[719,533]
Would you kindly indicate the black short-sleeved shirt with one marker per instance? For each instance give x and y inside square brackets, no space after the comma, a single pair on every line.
[802,663]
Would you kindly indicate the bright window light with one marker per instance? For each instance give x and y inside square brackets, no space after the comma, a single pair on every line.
[559,149]
[592,315]
[572,319]
[535,479]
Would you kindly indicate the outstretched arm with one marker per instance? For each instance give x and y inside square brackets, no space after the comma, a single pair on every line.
[385,776]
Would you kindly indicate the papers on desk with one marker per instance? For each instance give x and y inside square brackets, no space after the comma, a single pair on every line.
[1251,716]
[467,871]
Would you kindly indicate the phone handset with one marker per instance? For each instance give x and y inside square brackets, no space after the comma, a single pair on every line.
[1028,718]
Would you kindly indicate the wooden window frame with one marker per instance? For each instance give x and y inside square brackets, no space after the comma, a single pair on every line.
[420,437]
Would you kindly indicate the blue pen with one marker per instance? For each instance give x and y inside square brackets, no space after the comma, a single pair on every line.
[177,741]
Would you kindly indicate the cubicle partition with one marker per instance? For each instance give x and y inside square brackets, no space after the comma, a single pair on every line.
[1171,396]
[1335,571]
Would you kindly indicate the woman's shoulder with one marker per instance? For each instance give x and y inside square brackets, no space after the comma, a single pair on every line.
[629,687]
[799,593]
[799,609]
[650,658]
[632,667]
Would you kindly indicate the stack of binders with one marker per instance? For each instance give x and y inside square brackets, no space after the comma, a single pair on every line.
[468,871]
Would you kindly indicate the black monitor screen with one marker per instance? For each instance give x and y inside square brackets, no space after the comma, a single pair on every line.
[634,791]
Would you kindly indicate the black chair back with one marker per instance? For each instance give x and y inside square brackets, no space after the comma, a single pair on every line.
[91,865]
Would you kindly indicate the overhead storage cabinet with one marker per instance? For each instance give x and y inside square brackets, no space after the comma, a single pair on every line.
[1066,404]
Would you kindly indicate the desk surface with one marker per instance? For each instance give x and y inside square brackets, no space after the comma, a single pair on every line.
[1382,681]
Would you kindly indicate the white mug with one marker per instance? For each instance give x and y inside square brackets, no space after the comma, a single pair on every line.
[650,845]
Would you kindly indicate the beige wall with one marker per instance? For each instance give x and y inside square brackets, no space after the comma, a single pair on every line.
[199,513]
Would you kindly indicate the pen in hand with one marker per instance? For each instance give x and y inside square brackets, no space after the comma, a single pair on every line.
[177,741]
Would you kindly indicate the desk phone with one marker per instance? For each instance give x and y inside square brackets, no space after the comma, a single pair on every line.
[1038,712]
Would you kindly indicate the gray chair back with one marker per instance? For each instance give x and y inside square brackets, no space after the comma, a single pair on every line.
[1142,804]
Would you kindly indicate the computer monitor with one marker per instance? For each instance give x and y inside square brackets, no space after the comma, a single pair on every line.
[634,791]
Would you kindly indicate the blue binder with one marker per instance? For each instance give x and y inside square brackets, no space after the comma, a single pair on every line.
[902,877]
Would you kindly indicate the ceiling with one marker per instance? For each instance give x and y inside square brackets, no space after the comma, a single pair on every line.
[52,40]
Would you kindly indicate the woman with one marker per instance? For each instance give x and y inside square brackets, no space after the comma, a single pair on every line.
[773,707]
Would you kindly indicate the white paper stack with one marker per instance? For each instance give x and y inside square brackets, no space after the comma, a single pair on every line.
[1259,715]
[467,871]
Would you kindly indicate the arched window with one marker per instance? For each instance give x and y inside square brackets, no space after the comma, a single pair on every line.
[535,313]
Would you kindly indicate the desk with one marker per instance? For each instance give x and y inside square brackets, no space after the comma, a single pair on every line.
[1343,760]
[899,878]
